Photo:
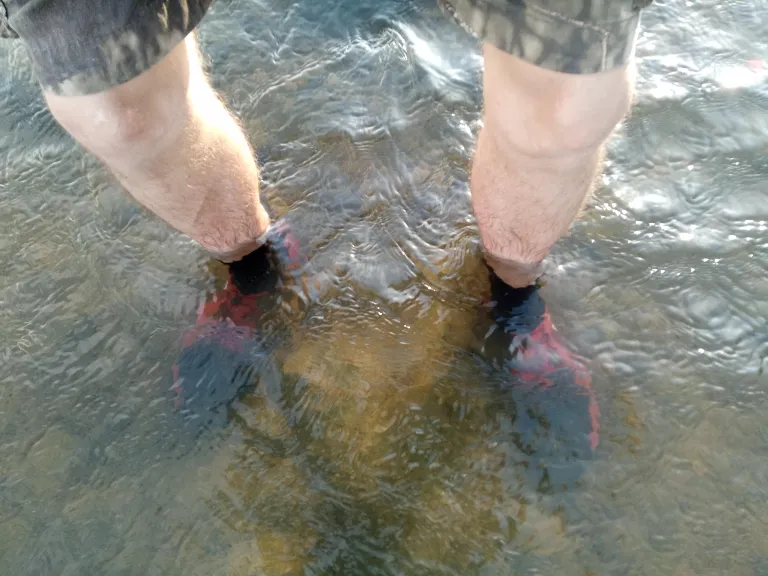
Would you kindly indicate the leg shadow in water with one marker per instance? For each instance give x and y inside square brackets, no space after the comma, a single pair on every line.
[212,373]
[550,428]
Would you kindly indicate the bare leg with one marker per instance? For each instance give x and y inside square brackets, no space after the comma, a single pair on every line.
[174,146]
[537,156]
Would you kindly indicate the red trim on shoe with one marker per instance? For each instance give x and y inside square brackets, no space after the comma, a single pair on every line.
[541,352]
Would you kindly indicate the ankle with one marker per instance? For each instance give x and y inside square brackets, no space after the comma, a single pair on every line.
[516,274]
[518,310]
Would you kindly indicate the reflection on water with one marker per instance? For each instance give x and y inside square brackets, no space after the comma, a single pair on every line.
[370,437]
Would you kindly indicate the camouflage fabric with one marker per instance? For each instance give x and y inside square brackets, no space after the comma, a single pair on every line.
[573,36]
[81,47]
[86,46]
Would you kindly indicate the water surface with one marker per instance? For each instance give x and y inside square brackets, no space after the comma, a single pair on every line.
[372,438]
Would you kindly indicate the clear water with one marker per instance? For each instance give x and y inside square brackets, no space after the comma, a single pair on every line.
[373,442]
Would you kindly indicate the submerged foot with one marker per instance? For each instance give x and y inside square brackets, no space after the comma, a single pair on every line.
[225,349]
[556,416]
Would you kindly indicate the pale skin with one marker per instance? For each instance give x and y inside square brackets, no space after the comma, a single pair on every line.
[176,149]
[537,156]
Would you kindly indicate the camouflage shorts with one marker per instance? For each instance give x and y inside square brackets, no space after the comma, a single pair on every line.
[86,46]
[574,36]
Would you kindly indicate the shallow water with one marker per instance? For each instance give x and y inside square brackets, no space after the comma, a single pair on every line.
[372,438]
